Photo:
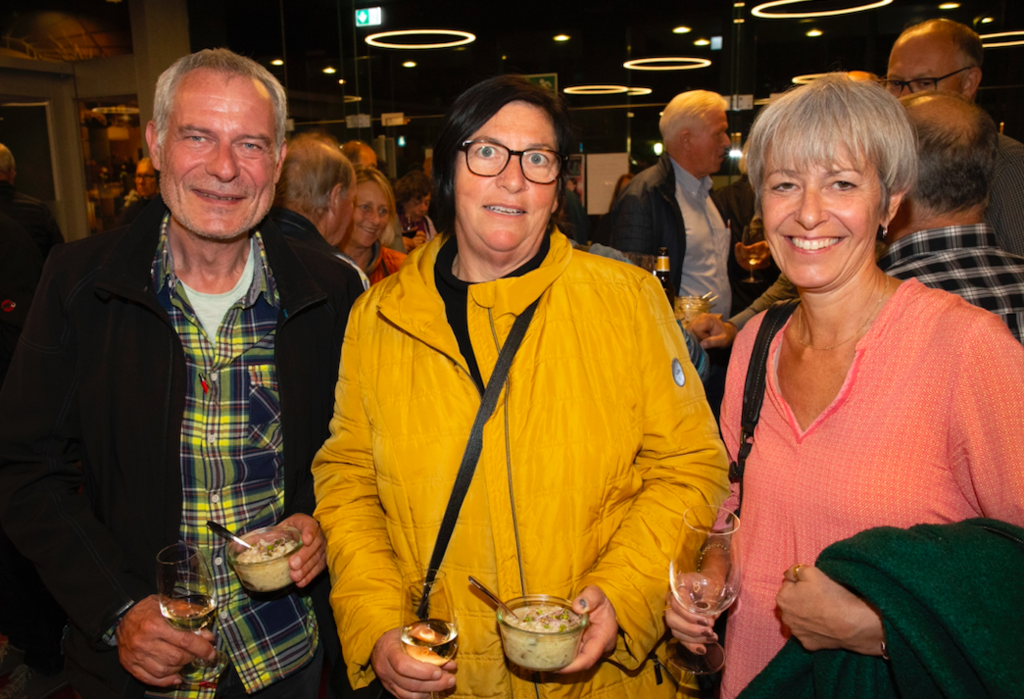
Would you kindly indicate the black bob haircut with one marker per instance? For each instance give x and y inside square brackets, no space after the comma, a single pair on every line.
[472,110]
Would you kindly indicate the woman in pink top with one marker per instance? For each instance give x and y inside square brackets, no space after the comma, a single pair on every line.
[887,403]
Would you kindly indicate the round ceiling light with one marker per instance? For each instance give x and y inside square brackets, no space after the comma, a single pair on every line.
[596,90]
[759,11]
[682,29]
[330,71]
[353,98]
[702,42]
[1002,44]
[561,37]
[804,79]
[409,64]
[464,38]
[814,32]
[277,62]
[667,63]
[949,6]
[639,91]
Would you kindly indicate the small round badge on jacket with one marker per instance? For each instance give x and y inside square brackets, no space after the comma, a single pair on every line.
[677,373]
[8,305]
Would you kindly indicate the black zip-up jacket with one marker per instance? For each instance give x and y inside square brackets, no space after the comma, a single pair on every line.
[90,423]
[646,217]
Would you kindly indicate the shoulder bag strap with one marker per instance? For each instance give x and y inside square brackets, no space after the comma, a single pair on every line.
[753,389]
[476,441]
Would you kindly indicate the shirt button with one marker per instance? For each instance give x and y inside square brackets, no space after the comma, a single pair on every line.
[215,498]
[218,561]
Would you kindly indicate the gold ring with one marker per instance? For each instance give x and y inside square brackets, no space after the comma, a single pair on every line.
[796,571]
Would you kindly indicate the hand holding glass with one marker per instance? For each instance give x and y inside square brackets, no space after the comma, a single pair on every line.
[188,600]
[705,577]
[429,631]
[753,250]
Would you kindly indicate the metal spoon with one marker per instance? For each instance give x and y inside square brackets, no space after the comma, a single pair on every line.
[494,598]
[220,530]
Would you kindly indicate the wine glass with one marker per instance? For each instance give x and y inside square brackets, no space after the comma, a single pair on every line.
[705,577]
[188,601]
[753,254]
[429,631]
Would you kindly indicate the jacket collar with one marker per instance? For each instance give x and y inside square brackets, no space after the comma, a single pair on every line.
[666,180]
[127,270]
[416,306]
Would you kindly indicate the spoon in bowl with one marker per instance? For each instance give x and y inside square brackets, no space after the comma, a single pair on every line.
[224,532]
[493,597]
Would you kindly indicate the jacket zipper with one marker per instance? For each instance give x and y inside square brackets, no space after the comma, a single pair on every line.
[508,471]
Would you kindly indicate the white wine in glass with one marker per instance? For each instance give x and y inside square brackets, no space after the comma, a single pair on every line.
[705,578]
[430,633]
[188,601]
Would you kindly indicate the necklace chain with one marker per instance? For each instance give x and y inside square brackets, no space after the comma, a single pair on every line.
[860,331]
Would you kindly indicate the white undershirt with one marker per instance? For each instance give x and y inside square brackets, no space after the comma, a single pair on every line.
[210,308]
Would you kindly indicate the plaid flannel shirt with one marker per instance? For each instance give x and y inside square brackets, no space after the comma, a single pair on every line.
[232,468]
[963,260]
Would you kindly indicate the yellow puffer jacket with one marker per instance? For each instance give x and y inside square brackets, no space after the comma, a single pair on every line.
[590,459]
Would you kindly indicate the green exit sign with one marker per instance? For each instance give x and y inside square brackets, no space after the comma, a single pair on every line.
[368,17]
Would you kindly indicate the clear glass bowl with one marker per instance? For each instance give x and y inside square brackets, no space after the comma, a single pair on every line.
[543,651]
[264,568]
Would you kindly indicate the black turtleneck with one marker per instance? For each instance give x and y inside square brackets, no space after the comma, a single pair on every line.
[455,294]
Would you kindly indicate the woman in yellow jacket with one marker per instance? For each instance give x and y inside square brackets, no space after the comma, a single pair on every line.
[601,439]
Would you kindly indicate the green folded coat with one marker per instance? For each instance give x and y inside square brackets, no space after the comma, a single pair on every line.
[949,596]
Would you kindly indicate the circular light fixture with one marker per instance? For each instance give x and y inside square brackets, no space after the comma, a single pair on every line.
[561,37]
[814,32]
[681,30]
[330,71]
[1003,44]
[739,20]
[759,11]
[949,6]
[277,62]
[804,79]
[988,20]
[658,148]
[702,42]
[342,81]
[639,91]
[465,38]
[667,63]
[596,90]
[353,98]
[409,64]
[120,109]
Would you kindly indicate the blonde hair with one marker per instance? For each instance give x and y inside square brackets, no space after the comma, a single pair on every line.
[372,174]
[830,121]
[313,166]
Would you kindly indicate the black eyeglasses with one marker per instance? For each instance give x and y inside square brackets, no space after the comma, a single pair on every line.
[896,87]
[486,159]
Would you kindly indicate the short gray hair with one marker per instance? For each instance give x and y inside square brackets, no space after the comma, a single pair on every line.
[958,142]
[830,120]
[313,166]
[688,110]
[6,159]
[221,61]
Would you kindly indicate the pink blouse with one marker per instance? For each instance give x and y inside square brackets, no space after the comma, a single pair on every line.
[925,429]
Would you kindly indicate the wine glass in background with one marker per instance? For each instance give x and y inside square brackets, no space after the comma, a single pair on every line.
[188,601]
[705,577]
[429,631]
[753,250]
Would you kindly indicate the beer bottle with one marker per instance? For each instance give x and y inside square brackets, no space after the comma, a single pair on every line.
[664,275]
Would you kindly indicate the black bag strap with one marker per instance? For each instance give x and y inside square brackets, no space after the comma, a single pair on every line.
[753,389]
[475,445]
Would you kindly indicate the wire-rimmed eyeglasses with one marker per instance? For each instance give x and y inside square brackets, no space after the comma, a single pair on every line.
[488,159]
[896,87]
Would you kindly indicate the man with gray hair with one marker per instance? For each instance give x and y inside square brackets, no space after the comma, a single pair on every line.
[30,213]
[940,54]
[174,373]
[316,195]
[939,235]
[667,205]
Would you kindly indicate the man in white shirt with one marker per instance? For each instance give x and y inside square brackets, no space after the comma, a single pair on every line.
[668,206]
